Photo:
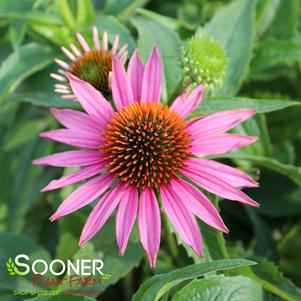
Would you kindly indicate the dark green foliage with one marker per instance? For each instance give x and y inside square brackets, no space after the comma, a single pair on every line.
[262,40]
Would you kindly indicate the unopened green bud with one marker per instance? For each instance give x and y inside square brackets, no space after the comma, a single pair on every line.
[204,62]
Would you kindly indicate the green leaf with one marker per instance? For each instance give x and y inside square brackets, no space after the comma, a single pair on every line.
[291,171]
[285,23]
[265,13]
[274,52]
[211,105]
[275,186]
[14,245]
[44,99]
[122,8]
[14,8]
[57,34]
[152,33]
[221,288]
[22,63]
[85,12]
[17,30]
[171,23]
[267,274]
[21,182]
[232,26]
[67,14]
[214,241]
[154,288]
[264,242]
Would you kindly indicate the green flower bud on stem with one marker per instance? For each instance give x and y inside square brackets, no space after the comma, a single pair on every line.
[204,62]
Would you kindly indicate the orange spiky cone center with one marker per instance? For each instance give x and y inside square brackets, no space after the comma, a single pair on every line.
[146,144]
[94,67]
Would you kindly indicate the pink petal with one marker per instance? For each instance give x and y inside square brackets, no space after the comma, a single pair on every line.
[149,224]
[72,158]
[68,53]
[218,122]
[184,105]
[228,174]
[152,78]
[90,99]
[217,186]
[126,216]
[115,44]
[196,202]
[105,41]
[135,75]
[75,177]
[183,221]
[101,212]
[77,120]
[83,42]
[121,89]
[223,143]
[83,195]
[95,37]
[74,137]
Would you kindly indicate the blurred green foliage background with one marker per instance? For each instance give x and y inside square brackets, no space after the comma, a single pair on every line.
[262,39]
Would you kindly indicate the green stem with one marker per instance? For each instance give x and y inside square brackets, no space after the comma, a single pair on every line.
[170,239]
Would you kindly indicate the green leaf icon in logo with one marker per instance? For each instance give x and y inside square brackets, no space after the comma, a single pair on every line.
[106,276]
[12,269]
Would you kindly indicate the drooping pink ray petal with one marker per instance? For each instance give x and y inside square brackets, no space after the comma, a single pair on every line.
[126,216]
[149,224]
[68,53]
[62,63]
[226,173]
[101,212]
[58,77]
[75,177]
[90,99]
[83,42]
[218,122]
[73,119]
[152,78]
[196,202]
[122,50]
[217,186]
[83,195]
[75,50]
[115,44]
[74,137]
[105,41]
[184,105]
[74,158]
[212,145]
[121,89]
[96,37]
[135,75]
[183,221]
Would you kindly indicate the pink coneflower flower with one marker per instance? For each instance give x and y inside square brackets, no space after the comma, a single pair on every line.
[91,64]
[141,150]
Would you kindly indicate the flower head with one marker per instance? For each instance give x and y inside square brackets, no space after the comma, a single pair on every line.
[144,149]
[93,65]
[205,62]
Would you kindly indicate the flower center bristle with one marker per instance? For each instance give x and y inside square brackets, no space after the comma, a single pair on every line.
[146,144]
[94,67]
